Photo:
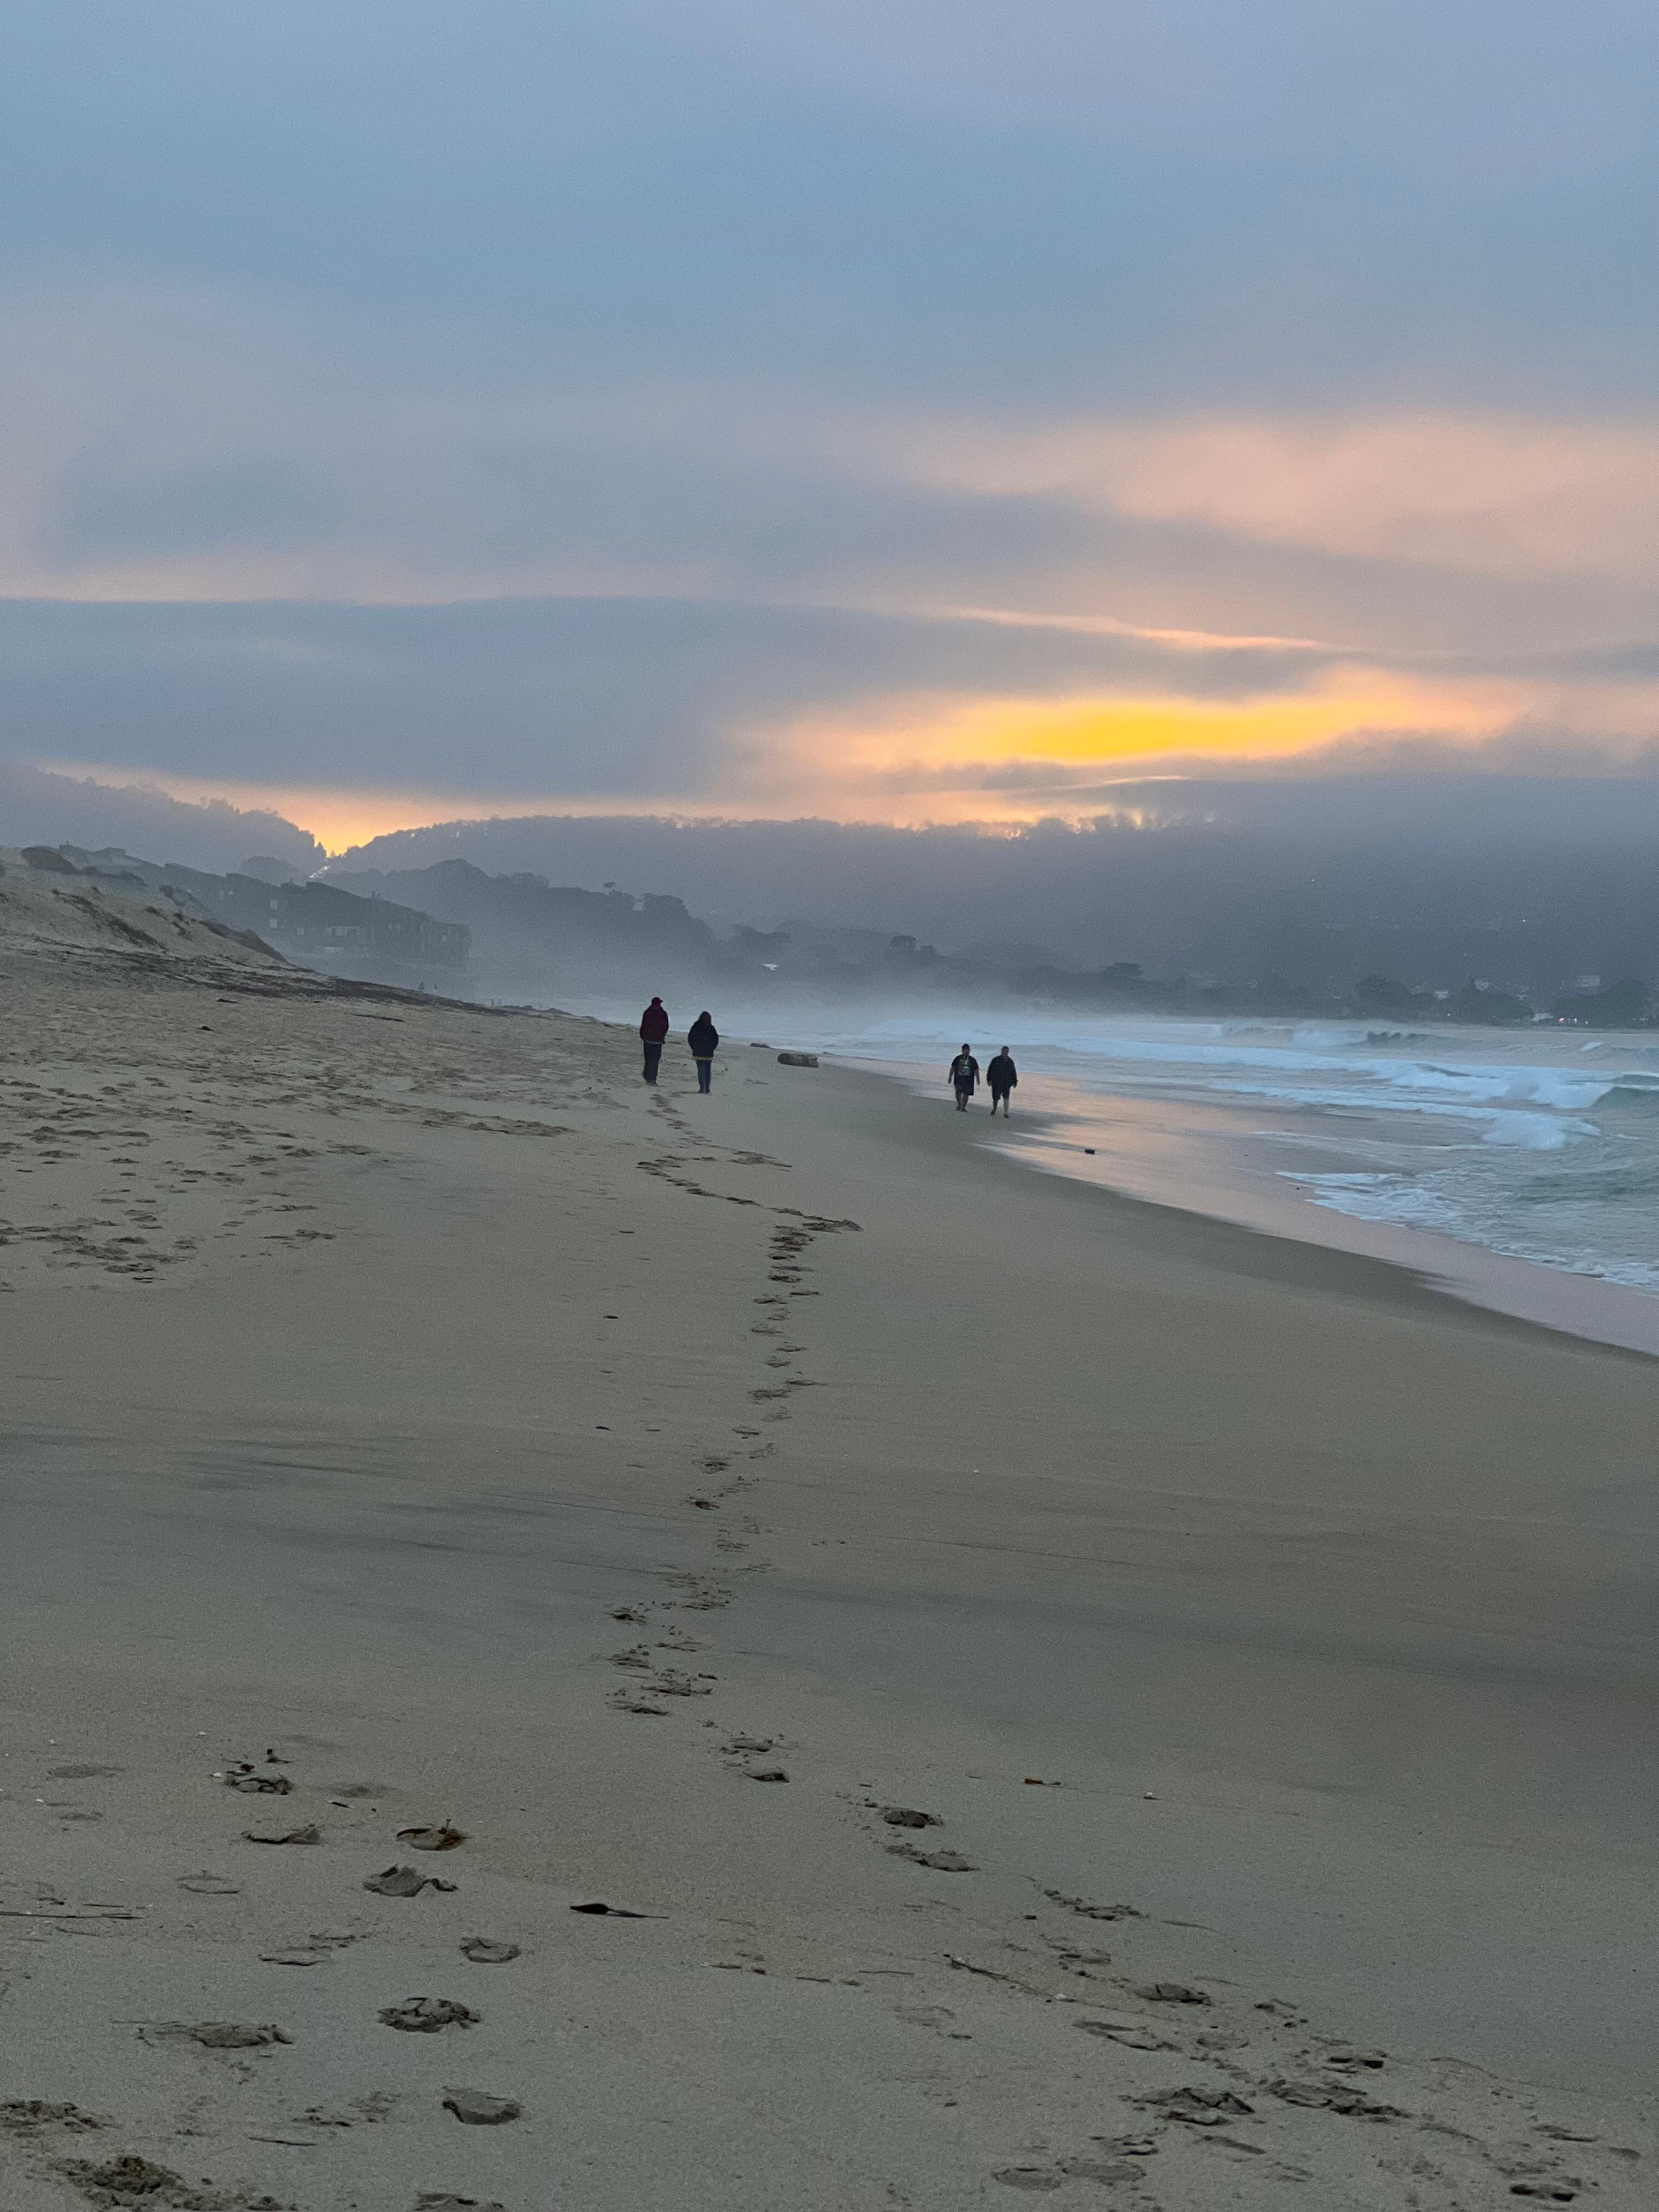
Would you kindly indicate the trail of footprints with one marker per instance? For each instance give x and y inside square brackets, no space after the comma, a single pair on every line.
[1196,2065]
[46,2131]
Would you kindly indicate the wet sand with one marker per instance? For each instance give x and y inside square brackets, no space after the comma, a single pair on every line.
[1213,1157]
[403,1391]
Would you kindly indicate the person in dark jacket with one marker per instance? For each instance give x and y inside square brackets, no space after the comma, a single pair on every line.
[964,1077]
[704,1040]
[653,1029]
[1002,1075]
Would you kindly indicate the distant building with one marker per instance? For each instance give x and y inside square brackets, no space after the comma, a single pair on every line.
[318,924]
[325,928]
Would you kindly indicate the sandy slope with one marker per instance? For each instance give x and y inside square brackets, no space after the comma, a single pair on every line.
[403,1402]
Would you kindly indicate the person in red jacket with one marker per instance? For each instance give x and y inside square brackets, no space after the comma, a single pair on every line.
[653,1028]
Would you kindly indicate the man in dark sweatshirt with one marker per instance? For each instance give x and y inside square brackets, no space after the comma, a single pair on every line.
[1001,1075]
[964,1077]
[704,1040]
[653,1028]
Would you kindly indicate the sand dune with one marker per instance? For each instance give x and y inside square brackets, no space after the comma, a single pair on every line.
[1055,1697]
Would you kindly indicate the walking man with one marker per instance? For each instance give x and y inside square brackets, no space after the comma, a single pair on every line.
[653,1028]
[1002,1075]
[964,1077]
[704,1040]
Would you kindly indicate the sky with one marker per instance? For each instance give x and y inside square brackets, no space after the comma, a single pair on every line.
[892,411]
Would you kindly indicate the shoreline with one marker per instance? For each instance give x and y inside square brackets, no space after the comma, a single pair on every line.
[1558,1300]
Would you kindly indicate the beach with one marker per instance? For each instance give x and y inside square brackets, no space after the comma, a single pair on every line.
[1083,1700]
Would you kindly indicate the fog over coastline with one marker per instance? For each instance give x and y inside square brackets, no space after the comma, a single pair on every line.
[1528,881]
[1533,879]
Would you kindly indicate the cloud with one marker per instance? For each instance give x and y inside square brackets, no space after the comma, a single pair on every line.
[712,404]
[361,716]
[235,502]
[1502,496]
[37,807]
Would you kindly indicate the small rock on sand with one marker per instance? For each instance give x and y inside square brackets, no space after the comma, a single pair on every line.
[478,2109]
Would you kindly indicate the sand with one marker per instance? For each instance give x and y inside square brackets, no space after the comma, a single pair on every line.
[406,1407]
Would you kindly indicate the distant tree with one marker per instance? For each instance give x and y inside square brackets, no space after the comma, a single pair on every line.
[1486,1007]
[765,944]
[1382,995]
[1620,1006]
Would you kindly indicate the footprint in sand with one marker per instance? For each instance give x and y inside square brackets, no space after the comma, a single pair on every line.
[445,1837]
[428,2015]
[308,1834]
[669,1682]
[403,1881]
[376,2106]
[1080,1905]
[1131,2037]
[128,2180]
[243,1777]
[1332,2096]
[1198,2108]
[484,1951]
[234,2035]
[26,2115]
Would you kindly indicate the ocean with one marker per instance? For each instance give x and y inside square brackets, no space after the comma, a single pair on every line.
[1539,1144]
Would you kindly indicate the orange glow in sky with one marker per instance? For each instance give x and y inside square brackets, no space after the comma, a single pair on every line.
[927,738]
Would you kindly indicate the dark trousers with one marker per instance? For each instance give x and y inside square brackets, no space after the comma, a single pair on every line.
[964,1092]
[653,1057]
[996,1095]
[705,1073]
